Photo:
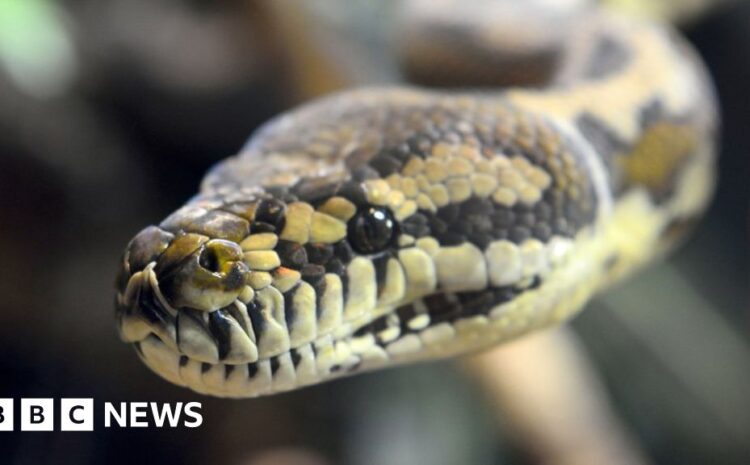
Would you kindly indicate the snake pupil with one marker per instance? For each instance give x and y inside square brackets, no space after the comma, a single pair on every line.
[371,230]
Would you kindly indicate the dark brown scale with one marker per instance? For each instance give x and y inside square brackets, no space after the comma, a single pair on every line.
[228,369]
[252,370]
[519,234]
[437,226]
[441,309]
[354,192]
[271,211]
[503,218]
[416,225]
[320,289]
[477,303]
[313,274]
[385,164]
[504,294]
[152,309]
[336,266]
[380,263]
[219,325]
[526,219]
[406,313]
[480,223]
[477,206]
[282,193]
[420,145]
[319,254]
[535,283]
[147,246]
[374,327]
[450,213]
[262,227]
[314,191]
[274,365]
[481,240]
[400,152]
[462,228]
[542,232]
[244,209]
[543,211]
[259,326]
[291,254]
[343,251]
[290,313]
[296,357]
[235,313]
[450,238]
[363,173]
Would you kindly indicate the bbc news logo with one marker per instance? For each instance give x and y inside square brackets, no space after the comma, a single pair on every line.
[78,415]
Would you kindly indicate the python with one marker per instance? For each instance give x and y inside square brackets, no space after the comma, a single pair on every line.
[382,226]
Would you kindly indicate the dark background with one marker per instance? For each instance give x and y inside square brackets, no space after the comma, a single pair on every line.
[111,111]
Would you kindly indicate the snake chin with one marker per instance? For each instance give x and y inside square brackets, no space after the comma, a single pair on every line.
[185,303]
[216,353]
[207,351]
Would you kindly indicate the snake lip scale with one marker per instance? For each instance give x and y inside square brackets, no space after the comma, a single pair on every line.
[381,226]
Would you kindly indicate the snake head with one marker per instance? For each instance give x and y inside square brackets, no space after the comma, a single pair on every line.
[294,266]
[248,284]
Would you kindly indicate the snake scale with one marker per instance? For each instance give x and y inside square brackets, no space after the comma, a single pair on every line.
[381,226]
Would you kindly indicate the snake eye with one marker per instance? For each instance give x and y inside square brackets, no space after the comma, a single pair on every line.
[371,230]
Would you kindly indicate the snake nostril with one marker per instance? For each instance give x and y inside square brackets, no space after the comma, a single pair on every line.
[218,256]
[209,260]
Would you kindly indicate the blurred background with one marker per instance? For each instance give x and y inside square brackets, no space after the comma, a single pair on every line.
[110,113]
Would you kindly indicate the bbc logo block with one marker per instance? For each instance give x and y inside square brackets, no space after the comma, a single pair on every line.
[6,414]
[77,414]
[37,414]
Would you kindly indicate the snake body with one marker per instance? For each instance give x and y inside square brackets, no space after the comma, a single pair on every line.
[381,226]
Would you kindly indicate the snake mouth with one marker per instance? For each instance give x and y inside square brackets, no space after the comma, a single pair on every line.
[183,301]
[202,313]
[214,352]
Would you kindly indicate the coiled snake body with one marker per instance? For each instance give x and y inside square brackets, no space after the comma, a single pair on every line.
[382,226]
